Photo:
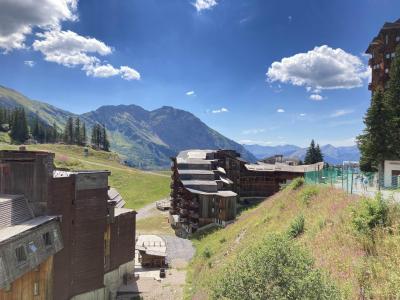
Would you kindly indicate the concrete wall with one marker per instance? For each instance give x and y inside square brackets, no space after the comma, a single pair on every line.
[390,165]
[112,282]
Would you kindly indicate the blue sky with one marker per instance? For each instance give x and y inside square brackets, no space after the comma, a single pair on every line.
[268,72]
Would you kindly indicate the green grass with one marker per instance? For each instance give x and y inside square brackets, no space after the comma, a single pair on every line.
[157,224]
[138,188]
[336,247]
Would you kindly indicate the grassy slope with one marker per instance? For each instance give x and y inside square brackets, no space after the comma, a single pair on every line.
[137,188]
[329,236]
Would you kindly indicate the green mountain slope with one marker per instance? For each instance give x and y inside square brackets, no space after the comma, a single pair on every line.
[48,113]
[360,265]
[145,139]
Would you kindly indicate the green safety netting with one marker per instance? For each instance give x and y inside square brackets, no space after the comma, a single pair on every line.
[349,179]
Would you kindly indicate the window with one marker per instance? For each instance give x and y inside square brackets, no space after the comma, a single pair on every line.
[20,254]
[397,38]
[388,55]
[32,247]
[47,239]
[393,55]
[386,70]
[387,39]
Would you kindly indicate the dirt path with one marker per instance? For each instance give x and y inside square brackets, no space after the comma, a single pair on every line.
[147,211]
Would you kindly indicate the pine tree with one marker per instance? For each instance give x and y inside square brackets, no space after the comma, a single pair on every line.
[375,142]
[319,157]
[95,140]
[69,131]
[105,142]
[77,132]
[310,154]
[83,135]
[19,126]
[35,128]
[54,133]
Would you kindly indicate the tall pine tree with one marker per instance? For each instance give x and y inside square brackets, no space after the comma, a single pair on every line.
[19,126]
[77,132]
[374,143]
[380,140]
[313,154]
[69,131]
[83,134]
[105,142]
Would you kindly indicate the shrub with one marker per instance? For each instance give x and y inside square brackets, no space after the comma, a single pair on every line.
[296,227]
[207,253]
[222,240]
[296,183]
[276,268]
[308,193]
[370,213]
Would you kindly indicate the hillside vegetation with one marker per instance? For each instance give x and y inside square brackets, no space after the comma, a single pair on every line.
[309,242]
[138,188]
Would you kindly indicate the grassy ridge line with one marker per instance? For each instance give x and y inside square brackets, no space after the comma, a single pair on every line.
[328,236]
[137,187]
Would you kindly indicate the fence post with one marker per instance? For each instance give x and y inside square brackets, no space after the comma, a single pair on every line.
[342,177]
[351,188]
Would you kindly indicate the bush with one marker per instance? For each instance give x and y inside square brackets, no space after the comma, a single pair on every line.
[207,253]
[308,193]
[296,227]
[296,183]
[276,268]
[370,213]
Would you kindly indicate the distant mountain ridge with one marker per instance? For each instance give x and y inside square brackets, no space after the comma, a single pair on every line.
[332,155]
[146,139]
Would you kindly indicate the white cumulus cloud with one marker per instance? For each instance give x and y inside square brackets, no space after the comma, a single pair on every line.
[190,93]
[316,97]
[29,63]
[220,110]
[70,49]
[321,68]
[19,17]
[280,110]
[341,112]
[204,4]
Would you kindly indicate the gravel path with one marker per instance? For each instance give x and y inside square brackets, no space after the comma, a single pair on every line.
[148,211]
[178,248]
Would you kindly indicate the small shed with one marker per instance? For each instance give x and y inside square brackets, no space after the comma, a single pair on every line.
[152,251]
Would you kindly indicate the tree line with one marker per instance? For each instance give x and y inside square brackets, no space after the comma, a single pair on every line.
[15,122]
[380,139]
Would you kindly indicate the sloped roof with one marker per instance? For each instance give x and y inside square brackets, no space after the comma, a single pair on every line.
[386,26]
[14,210]
[115,196]
[15,230]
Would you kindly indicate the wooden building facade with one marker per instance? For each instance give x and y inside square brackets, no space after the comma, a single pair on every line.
[382,50]
[88,221]
[207,184]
